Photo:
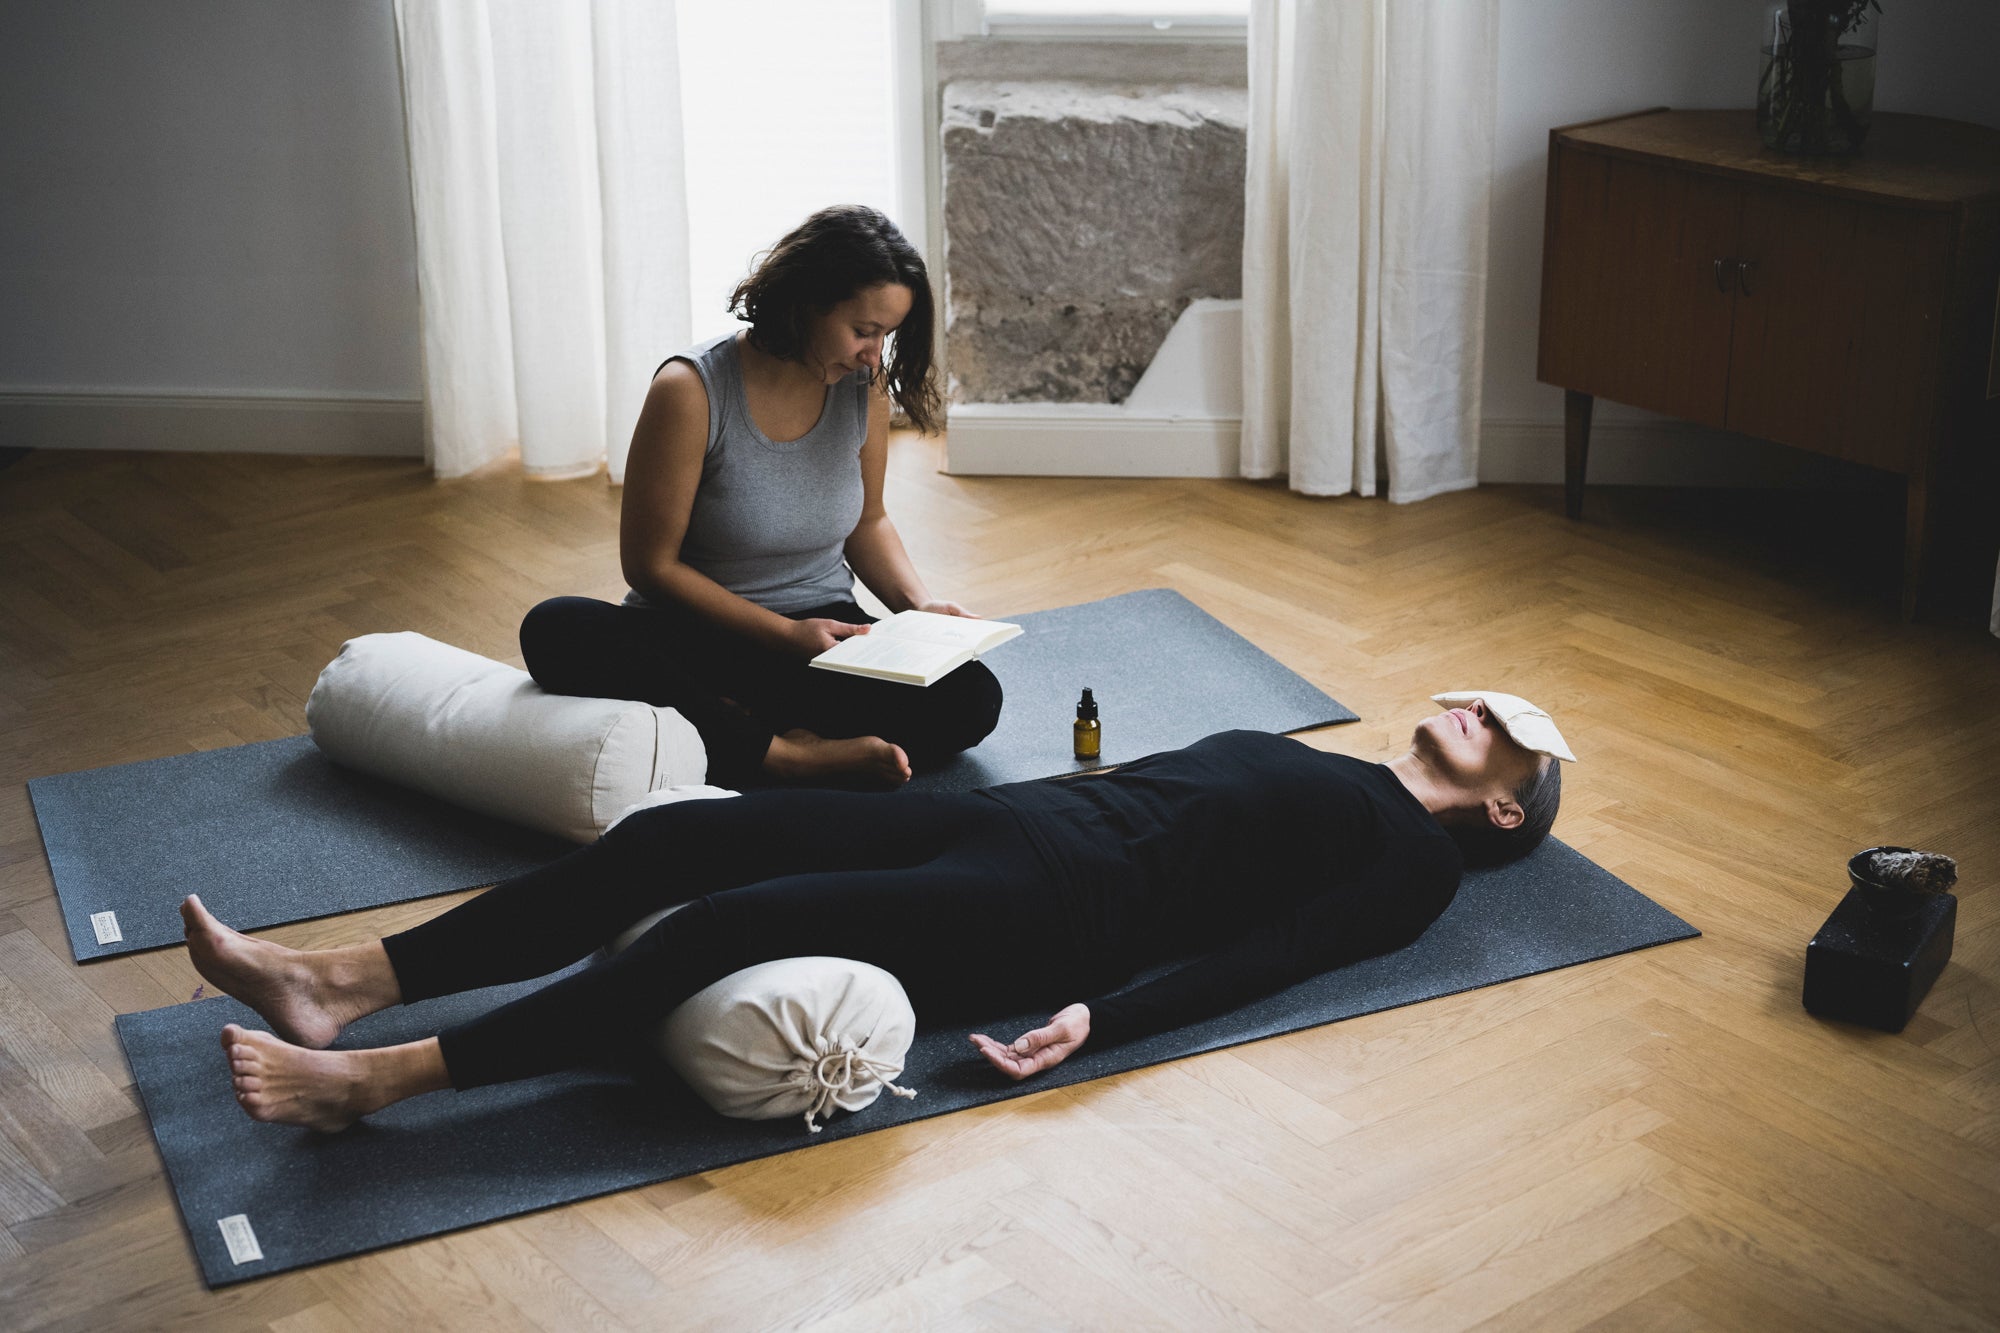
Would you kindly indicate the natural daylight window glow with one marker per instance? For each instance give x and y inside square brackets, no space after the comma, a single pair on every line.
[789,107]
[1085,10]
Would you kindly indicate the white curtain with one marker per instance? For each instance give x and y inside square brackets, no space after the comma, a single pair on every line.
[545,166]
[1364,249]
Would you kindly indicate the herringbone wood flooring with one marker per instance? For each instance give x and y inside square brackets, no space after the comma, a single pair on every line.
[1659,1140]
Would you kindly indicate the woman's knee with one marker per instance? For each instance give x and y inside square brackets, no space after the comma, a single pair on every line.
[965,707]
[555,639]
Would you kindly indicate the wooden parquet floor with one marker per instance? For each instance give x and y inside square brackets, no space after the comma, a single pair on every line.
[1660,1140]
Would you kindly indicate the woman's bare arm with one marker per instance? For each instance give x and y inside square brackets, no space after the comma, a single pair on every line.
[662,473]
[874,548]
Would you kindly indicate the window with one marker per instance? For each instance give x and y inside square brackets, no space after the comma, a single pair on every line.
[788,107]
[1185,20]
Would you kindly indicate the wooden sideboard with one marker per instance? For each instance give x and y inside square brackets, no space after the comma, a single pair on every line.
[1840,305]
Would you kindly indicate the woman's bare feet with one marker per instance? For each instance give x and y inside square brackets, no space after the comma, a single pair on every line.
[279,1082]
[307,997]
[800,755]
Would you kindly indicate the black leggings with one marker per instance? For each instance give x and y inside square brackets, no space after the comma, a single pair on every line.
[668,656]
[945,892]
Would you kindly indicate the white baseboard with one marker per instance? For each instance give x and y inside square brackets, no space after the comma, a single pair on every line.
[1089,440]
[212,423]
[1085,440]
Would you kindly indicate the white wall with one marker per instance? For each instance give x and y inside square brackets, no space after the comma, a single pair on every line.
[1563,61]
[208,200]
[205,229]
[204,199]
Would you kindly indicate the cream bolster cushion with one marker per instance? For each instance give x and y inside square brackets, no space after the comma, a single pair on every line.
[483,735]
[797,1036]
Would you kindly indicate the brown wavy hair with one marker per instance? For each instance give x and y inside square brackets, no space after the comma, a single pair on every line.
[826,259]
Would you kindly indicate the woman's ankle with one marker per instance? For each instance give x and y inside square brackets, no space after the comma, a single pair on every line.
[357,980]
[397,1073]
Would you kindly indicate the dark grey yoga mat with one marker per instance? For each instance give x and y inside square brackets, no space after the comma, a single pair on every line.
[1164,673]
[451,1160]
[266,833]
[272,832]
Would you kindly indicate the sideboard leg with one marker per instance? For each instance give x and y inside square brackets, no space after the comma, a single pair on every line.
[1576,448]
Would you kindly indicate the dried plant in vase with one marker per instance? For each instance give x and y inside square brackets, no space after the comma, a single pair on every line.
[1816,88]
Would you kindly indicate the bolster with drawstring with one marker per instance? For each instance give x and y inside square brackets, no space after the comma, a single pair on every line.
[798,1036]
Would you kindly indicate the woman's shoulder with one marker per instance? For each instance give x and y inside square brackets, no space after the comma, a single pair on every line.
[679,386]
[704,359]
[690,385]
[862,397]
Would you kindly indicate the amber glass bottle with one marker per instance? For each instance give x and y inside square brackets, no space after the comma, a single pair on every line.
[1088,734]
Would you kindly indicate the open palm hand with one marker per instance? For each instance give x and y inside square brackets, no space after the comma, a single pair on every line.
[1044,1048]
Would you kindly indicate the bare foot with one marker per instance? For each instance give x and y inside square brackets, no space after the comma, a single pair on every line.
[290,988]
[277,1081]
[326,1090]
[800,755]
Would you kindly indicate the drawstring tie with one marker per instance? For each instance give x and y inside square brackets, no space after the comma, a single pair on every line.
[837,1071]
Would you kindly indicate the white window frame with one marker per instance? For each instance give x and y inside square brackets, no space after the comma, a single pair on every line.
[1116,20]
[918,25]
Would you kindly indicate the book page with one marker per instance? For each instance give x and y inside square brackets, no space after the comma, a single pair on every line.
[874,651]
[957,631]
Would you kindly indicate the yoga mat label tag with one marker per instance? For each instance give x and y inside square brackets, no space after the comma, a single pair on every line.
[105,924]
[240,1239]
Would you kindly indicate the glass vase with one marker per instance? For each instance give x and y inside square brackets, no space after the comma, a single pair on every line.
[1816,86]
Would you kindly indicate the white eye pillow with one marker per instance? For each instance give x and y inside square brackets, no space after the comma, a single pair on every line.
[483,735]
[1530,727]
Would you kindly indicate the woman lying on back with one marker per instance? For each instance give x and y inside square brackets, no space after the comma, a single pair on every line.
[1263,859]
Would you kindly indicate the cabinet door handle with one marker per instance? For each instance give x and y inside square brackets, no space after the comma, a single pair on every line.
[1722,274]
[1743,267]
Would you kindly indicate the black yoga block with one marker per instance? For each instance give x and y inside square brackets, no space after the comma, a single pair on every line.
[1877,955]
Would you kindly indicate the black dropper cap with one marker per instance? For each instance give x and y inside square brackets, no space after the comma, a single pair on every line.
[1086,707]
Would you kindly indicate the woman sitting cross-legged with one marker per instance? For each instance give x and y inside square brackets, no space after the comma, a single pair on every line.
[1260,859]
[753,499]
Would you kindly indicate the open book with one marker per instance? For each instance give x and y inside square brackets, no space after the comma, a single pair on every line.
[915,647]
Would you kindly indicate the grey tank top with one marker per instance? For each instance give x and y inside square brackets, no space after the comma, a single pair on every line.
[770,520]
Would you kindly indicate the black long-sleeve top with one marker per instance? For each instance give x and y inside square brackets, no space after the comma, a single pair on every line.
[1270,860]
